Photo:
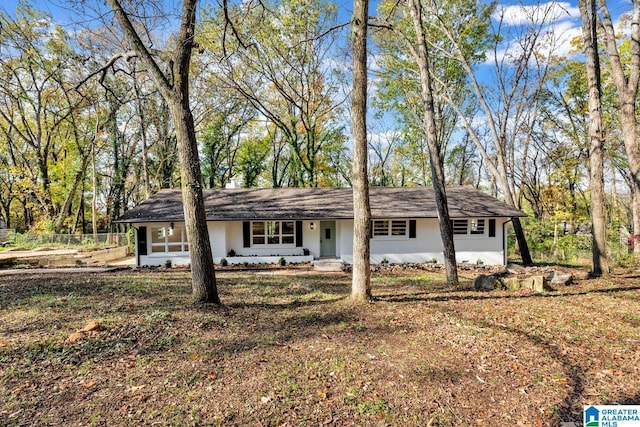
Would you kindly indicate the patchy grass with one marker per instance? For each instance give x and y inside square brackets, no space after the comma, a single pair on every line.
[292,350]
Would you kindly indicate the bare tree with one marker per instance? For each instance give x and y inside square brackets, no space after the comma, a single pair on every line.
[173,85]
[511,112]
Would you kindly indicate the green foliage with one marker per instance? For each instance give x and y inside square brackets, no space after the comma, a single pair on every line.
[278,63]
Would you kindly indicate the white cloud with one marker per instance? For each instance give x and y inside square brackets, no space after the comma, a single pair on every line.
[515,15]
[557,22]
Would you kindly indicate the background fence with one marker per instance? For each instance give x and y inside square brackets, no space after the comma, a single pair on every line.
[29,240]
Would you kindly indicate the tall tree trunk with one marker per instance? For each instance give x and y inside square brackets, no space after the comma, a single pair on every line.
[626,78]
[596,138]
[361,281]
[175,91]
[202,269]
[143,139]
[94,196]
[429,126]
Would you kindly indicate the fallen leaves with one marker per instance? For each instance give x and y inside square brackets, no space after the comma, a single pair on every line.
[462,358]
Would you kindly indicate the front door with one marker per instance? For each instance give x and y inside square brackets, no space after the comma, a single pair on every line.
[327,239]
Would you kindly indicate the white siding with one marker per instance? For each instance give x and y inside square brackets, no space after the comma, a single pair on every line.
[427,245]
[227,235]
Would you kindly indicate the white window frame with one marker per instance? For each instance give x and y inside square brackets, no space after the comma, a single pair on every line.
[396,229]
[280,235]
[473,227]
[168,236]
[477,226]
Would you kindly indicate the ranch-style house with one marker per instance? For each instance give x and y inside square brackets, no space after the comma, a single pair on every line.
[304,224]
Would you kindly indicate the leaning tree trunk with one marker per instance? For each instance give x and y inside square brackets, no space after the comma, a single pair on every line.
[429,126]
[202,270]
[361,281]
[175,91]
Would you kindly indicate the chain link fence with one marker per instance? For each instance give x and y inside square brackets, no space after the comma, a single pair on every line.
[10,237]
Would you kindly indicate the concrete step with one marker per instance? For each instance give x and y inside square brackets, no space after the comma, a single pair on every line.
[328,265]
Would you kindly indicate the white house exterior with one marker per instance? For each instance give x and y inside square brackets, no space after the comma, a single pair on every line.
[262,225]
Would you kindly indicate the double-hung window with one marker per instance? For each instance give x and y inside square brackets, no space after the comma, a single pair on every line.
[474,226]
[273,232]
[389,228]
[460,226]
[477,226]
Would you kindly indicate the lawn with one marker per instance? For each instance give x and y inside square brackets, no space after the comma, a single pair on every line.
[292,351]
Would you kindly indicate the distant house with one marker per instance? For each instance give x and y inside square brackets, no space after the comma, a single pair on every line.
[302,224]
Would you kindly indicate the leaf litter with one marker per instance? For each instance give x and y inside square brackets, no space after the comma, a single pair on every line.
[422,354]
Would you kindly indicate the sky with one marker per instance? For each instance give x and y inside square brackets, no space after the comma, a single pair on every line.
[566,22]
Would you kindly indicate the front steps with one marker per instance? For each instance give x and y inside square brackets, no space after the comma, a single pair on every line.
[328,265]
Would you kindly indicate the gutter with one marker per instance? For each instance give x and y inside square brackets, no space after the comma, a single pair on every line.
[504,240]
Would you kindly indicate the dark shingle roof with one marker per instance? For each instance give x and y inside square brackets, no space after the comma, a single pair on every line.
[319,203]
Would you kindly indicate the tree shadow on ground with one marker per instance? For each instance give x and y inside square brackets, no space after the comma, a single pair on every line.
[570,408]
[450,296]
[626,400]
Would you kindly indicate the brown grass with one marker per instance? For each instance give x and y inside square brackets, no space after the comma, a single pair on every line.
[291,350]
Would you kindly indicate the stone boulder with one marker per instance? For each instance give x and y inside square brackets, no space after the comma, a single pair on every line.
[558,278]
[484,282]
[515,269]
[536,283]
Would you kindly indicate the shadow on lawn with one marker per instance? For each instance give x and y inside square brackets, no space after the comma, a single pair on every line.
[281,332]
[570,409]
[626,400]
[422,296]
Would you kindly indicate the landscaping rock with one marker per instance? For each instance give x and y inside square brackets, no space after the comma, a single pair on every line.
[536,283]
[515,269]
[558,278]
[511,283]
[485,283]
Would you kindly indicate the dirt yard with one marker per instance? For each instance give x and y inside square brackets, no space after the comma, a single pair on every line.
[127,348]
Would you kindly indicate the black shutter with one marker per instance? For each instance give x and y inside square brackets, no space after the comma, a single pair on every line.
[246,234]
[298,234]
[142,240]
[412,228]
[492,228]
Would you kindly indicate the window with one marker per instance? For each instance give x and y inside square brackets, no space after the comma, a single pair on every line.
[466,227]
[460,226]
[386,227]
[273,232]
[169,239]
[380,228]
[477,226]
[398,228]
